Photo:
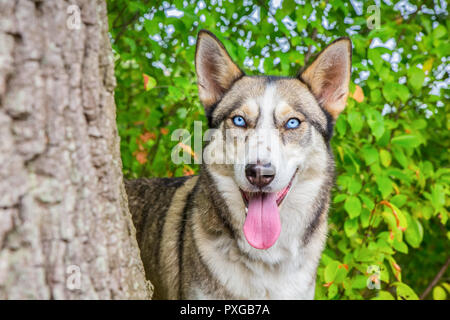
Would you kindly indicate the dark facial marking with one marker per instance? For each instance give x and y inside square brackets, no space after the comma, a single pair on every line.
[188,207]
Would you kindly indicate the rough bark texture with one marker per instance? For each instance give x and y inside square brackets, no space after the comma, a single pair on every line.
[63,206]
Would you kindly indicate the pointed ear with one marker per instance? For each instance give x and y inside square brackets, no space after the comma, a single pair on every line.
[329,76]
[216,72]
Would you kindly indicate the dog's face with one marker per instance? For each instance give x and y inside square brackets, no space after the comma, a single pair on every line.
[270,129]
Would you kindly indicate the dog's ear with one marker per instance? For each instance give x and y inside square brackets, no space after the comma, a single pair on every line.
[216,72]
[329,76]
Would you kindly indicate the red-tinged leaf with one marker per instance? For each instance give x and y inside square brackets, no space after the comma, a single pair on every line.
[139,143]
[141,156]
[394,211]
[147,136]
[145,79]
[396,266]
[358,95]
[187,149]
[391,235]
[149,82]
[188,171]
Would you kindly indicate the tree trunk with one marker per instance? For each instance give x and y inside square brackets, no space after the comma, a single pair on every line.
[65,228]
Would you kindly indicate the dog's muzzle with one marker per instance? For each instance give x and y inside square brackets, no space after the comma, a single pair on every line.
[260,175]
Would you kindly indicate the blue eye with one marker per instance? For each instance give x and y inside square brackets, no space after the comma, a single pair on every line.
[239,121]
[292,123]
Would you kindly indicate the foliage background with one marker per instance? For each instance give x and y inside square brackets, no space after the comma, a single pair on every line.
[390,203]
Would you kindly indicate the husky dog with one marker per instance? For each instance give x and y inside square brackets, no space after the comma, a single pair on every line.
[254,229]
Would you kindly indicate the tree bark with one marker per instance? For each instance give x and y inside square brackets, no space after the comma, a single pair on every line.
[65,228]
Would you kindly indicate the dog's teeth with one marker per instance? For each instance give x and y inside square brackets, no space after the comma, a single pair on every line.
[246,210]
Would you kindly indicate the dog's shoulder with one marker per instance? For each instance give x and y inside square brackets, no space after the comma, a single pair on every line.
[151,194]
[144,190]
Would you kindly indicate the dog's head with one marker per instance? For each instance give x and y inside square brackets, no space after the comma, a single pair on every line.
[274,128]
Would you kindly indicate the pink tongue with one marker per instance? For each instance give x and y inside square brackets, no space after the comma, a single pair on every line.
[262,225]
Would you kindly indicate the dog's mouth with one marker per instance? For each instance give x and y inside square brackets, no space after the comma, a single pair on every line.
[280,195]
[262,225]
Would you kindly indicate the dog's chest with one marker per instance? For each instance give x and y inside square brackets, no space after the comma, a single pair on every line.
[289,283]
[244,278]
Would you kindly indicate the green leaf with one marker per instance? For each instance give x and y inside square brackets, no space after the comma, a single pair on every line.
[400,246]
[419,124]
[339,198]
[359,282]
[398,200]
[175,92]
[384,186]
[384,139]
[331,270]
[151,26]
[377,128]
[439,293]
[375,95]
[399,155]
[149,82]
[367,201]
[414,232]
[341,274]
[365,217]
[406,140]
[416,77]
[383,295]
[355,121]
[364,255]
[350,227]
[439,32]
[385,158]
[437,196]
[390,92]
[354,186]
[376,122]
[403,92]
[375,56]
[288,6]
[370,155]
[332,291]
[404,292]
[341,125]
[353,206]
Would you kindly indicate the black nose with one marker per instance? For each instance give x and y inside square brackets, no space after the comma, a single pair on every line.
[260,175]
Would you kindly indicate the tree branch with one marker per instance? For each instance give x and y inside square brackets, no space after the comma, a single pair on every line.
[435,280]
[309,52]
[124,27]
